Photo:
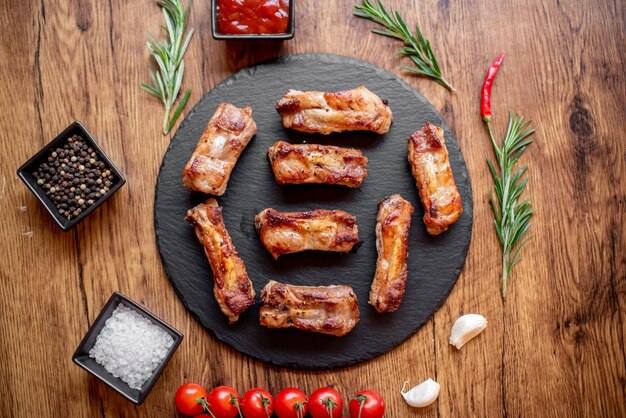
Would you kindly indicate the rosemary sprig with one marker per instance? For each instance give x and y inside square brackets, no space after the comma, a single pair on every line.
[511,217]
[168,54]
[416,47]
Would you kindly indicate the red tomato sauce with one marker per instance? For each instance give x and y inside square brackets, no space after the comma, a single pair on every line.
[252,16]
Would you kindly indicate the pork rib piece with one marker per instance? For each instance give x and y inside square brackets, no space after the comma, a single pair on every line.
[323,113]
[392,242]
[430,165]
[326,309]
[320,229]
[312,163]
[232,287]
[222,142]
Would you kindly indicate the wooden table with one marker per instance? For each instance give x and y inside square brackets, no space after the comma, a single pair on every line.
[554,348]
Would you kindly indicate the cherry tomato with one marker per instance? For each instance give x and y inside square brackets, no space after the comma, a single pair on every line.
[325,403]
[224,402]
[191,399]
[257,403]
[367,404]
[291,403]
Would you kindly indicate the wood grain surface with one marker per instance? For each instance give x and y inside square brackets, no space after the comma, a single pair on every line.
[554,348]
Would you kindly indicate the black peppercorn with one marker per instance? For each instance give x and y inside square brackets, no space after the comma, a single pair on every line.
[74,177]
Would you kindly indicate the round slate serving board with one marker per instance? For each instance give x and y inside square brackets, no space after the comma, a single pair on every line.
[434,262]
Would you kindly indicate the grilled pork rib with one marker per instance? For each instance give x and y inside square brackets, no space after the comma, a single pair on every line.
[430,165]
[312,163]
[320,229]
[392,242]
[232,287]
[326,309]
[222,142]
[347,110]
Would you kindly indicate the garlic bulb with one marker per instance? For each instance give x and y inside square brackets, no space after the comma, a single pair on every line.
[421,395]
[465,328]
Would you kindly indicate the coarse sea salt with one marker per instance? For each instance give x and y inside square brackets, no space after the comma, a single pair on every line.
[130,346]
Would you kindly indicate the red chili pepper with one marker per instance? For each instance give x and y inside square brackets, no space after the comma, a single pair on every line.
[485,102]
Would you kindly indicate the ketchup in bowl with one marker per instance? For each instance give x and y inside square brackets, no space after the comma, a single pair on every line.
[252,16]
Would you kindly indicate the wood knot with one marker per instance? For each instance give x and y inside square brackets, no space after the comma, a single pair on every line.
[83,17]
[448,111]
[580,120]
[573,328]
[581,125]
[579,335]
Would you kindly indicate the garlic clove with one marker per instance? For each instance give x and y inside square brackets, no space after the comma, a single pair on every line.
[421,395]
[465,328]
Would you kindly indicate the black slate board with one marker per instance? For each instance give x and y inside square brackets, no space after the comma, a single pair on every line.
[434,262]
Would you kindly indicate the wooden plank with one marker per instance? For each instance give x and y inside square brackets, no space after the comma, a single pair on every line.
[554,348]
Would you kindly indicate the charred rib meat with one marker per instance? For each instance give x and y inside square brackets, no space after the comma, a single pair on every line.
[320,229]
[392,242]
[232,287]
[347,110]
[326,309]
[430,165]
[312,163]
[222,142]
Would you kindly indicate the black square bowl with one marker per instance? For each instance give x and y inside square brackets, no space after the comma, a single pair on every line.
[81,356]
[25,172]
[291,27]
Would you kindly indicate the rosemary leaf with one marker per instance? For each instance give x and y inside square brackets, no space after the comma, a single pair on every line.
[150,89]
[179,109]
[511,217]
[168,55]
[416,47]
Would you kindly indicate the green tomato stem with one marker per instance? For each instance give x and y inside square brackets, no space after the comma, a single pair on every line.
[205,405]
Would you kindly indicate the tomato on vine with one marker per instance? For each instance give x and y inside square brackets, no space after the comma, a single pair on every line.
[367,404]
[191,399]
[224,402]
[257,403]
[291,403]
[325,403]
